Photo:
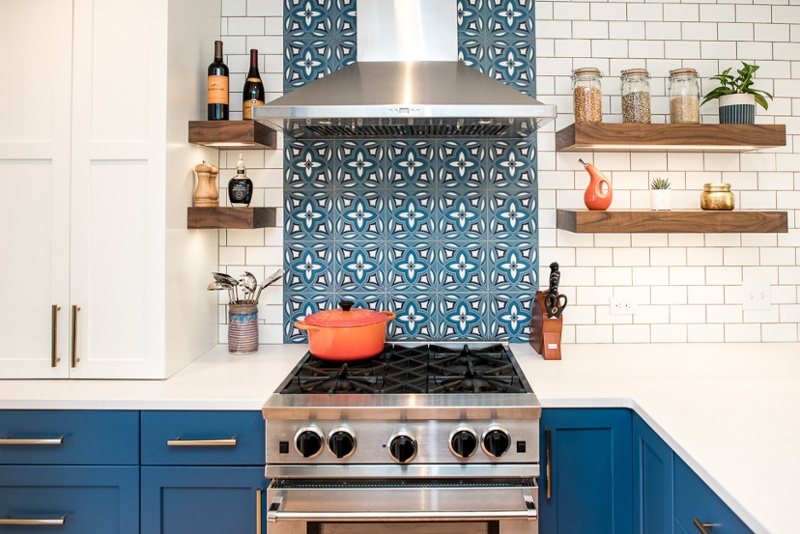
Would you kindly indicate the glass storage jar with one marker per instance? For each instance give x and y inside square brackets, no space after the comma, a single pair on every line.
[684,96]
[587,94]
[635,87]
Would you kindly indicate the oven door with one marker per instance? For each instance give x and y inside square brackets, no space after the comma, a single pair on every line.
[426,506]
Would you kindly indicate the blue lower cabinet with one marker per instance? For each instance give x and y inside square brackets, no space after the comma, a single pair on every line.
[652,481]
[590,481]
[203,500]
[86,499]
[695,501]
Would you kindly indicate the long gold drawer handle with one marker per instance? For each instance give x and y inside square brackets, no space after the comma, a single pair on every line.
[259,528]
[54,359]
[31,441]
[704,528]
[74,358]
[178,442]
[8,520]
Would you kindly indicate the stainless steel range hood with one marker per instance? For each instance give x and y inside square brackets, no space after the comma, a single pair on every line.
[407,81]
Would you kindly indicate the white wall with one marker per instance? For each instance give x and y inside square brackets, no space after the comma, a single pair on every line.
[687,287]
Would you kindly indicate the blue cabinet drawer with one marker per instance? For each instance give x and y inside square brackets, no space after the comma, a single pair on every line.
[695,500]
[69,437]
[69,499]
[202,438]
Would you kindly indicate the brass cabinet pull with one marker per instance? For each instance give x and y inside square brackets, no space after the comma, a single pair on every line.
[704,528]
[258,511]
[548,462]
[75,359]
[178,442]
[8,520]
[54,359]
[31,441]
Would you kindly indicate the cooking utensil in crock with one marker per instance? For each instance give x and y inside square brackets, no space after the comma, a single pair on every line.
[219,286]
[249,283]
[269,281]
[228,279]
[346,334]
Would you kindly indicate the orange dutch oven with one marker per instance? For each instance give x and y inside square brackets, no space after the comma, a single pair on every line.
[346,334]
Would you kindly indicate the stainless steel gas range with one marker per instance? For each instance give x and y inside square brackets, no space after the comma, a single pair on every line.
[436,438]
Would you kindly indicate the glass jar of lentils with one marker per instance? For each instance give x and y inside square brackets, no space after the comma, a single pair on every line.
[684,96]
[587,94]
[635,86]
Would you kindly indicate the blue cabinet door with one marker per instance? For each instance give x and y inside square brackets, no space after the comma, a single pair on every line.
[88,499]
[590,480]
[652,481]
[203,500]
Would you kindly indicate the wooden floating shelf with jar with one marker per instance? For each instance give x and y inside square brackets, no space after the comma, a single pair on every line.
[618,137]
[674,221]
[231,218]
[239,135]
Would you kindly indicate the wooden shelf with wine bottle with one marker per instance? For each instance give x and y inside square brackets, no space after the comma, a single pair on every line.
[239,135]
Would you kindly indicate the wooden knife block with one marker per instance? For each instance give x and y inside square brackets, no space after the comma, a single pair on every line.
[545,332]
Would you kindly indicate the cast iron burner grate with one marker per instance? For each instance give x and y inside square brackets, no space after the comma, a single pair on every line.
[420,369]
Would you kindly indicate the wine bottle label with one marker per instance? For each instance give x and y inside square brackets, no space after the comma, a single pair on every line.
[247,111]
[217,89]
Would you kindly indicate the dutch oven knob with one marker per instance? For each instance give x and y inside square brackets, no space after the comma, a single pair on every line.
[346,304]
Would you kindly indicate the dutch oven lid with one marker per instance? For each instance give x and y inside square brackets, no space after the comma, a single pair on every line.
[346,316]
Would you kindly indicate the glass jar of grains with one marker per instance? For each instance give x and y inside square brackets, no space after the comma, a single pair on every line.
[635,86]
[684,96]
[587,94]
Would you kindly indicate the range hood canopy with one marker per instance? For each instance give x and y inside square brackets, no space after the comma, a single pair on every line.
[407,81]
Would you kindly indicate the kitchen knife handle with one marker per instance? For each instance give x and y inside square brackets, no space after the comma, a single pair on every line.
[8,520]
[259,492]
[75,359]
[704,528]
[54,359]
[548,460]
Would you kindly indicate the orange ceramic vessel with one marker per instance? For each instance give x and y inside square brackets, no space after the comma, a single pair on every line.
[346,334]
[598,195]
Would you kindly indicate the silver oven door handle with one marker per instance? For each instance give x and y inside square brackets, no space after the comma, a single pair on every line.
[277,513]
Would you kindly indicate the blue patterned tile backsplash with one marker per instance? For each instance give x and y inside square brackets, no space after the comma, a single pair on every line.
[441,231]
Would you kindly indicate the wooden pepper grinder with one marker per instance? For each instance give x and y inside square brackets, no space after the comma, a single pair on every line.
[206,195]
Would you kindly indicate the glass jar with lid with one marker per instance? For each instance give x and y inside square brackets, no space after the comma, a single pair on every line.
[635,87]
[684,96]
[587,94]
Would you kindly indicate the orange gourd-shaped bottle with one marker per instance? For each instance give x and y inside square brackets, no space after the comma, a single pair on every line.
[598,194]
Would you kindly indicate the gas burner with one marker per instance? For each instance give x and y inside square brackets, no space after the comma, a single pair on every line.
[413,369]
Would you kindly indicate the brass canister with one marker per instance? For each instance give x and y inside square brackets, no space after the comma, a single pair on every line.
[716,197]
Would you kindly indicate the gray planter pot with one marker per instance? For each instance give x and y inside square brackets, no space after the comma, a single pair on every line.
[737,109]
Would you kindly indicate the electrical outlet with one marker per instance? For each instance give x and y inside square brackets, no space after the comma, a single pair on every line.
[756,295]
[620,306]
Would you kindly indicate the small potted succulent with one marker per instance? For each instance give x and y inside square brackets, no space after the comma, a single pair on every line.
[660,194]
[737,97]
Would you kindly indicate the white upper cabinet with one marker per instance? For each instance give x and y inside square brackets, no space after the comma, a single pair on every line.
[98,175]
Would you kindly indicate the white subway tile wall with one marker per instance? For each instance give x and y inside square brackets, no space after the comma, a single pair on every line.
[686,287]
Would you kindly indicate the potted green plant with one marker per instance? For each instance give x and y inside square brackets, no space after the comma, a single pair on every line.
[737,97]
[660,197]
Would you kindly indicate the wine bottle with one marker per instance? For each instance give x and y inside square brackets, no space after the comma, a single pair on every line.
[218,86]
[253,92]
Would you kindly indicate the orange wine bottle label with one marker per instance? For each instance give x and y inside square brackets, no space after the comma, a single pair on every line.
[247,111]
[217,89]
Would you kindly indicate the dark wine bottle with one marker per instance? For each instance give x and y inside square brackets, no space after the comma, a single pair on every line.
[253,92]
[218,86]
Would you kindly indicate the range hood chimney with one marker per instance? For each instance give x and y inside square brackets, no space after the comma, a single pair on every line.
[407,81]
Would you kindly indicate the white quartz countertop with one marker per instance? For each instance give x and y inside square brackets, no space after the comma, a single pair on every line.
[731,411]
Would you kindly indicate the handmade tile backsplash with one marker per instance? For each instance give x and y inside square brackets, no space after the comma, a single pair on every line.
[440,231]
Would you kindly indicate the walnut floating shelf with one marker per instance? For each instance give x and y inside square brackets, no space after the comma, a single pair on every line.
[241,135]
[616,137]
[231,218]
[676,221]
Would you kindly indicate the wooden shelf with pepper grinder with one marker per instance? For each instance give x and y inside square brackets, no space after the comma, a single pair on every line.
[546,320]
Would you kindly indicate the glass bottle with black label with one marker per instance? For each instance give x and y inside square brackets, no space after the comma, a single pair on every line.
[240,187]
[253,92]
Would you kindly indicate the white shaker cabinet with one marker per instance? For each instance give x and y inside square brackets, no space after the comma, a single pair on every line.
[96,175]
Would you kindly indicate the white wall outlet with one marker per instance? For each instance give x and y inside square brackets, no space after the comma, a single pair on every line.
[621,306]
[756,295]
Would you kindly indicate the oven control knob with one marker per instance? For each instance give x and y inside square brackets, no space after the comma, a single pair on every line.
[402,447]
[495,441]
[341,442]
[309,441]
[463,442]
